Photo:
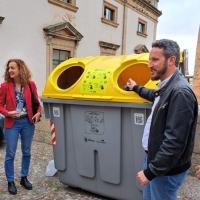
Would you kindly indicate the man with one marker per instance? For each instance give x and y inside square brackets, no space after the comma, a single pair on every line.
[169,133]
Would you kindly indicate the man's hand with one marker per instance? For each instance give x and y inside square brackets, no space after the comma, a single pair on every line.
[131,83]
[197,168]
[142,178]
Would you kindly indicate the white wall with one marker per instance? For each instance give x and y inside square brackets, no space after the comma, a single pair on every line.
[94,30]
[21,36]
[132,39]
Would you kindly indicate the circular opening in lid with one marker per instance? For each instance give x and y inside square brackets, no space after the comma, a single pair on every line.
[140,73]
[69,77]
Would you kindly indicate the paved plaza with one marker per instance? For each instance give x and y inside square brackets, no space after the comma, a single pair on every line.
[49,188]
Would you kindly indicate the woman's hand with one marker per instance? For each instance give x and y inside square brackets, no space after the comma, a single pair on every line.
[13,114]
[36,117]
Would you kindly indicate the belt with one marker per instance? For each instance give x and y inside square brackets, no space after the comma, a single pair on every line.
[146,151]
[23,116]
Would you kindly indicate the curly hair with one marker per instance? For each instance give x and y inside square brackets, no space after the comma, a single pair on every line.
[25,74]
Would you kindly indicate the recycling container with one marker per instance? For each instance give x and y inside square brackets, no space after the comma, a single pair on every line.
[96,126]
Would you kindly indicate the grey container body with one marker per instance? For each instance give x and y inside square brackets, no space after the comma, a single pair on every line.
[99,145]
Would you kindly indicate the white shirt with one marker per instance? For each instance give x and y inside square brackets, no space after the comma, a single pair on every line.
[148,123]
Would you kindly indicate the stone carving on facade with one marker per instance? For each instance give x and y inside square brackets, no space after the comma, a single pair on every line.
[141,48]
[62,30]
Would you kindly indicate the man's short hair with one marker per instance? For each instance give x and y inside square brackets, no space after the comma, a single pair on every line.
[170,48]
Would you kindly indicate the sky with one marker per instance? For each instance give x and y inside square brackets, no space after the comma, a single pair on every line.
[180,21]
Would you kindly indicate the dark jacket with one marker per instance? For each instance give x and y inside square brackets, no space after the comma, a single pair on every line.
[173,126]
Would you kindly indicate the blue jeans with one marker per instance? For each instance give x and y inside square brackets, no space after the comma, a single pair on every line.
[26,129]
[163,187]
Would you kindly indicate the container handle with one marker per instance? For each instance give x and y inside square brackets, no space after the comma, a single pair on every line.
[91,97]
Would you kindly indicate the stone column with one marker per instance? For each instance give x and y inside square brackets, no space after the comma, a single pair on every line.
[196,89]
[196,78]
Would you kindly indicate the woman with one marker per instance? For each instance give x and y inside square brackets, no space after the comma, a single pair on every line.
[16,106]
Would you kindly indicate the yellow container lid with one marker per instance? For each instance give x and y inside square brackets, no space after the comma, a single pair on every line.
[99,78]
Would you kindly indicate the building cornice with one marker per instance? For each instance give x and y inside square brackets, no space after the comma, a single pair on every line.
[142,7]
[108,45]
[146,4]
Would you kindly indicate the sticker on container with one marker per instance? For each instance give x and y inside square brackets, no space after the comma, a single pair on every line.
[56,112]
[139,118]
[94,122]
[95,81]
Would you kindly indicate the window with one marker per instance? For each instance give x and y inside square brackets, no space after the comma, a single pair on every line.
[66,1]
[142,28]
[62,40]
[59,56]
[109,14]
[67,4]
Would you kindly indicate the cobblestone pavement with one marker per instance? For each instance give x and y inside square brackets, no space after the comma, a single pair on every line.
[49,188]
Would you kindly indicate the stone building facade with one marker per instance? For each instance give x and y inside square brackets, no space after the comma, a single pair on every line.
[47,32]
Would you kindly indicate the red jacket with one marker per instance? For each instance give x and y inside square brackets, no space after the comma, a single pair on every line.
[8,101]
